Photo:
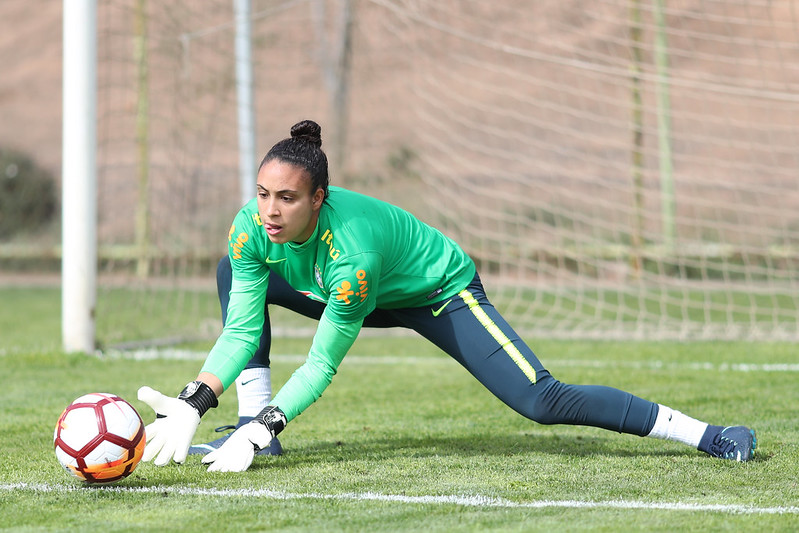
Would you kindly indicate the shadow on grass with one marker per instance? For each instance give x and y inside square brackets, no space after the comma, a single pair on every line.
[395,452]
[482,445]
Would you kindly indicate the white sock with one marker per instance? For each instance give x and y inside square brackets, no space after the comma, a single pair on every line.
[254,390]
[673,425]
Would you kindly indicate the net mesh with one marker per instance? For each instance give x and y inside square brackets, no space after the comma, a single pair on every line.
[624,170]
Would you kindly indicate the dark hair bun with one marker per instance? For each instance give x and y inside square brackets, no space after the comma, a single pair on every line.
[307,130]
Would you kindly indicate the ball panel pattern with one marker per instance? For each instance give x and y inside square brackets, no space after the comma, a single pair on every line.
[99,438]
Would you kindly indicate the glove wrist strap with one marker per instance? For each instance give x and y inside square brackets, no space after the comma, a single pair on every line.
[200,396]
[273,418]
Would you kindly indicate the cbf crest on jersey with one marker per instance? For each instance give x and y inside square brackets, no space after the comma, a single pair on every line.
[318,275]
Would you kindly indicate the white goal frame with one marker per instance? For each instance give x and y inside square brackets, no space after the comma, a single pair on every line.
[79,176]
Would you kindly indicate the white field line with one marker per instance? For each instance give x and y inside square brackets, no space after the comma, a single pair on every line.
[466,501]
[153,353]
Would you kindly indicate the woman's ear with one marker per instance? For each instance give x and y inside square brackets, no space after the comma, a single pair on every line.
[318,198]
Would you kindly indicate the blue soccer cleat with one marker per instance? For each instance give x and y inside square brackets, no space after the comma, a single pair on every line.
[202,449]
[736,443]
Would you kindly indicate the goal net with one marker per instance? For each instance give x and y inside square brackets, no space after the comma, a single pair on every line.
[618,170]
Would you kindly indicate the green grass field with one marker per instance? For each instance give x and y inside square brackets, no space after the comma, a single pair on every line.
[406,440]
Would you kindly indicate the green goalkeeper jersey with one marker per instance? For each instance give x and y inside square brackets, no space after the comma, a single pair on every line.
[364,254]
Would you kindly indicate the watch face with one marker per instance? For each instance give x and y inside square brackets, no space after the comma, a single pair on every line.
[190,389]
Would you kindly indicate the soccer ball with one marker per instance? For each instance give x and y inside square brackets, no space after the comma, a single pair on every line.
[99,438]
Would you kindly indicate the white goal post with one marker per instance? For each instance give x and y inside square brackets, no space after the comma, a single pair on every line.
[79,176]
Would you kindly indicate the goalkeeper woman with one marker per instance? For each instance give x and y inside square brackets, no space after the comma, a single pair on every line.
[352,261]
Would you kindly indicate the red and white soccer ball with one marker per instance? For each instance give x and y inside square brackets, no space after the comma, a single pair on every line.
[99,438]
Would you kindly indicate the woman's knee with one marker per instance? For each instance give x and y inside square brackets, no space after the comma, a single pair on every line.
[537,403]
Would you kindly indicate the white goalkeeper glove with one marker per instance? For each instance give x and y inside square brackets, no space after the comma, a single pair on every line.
[176,421]
[238,451]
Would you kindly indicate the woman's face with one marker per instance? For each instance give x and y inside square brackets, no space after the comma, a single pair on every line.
[287,206]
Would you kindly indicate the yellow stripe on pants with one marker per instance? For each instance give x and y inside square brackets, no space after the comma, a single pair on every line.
[498,334]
